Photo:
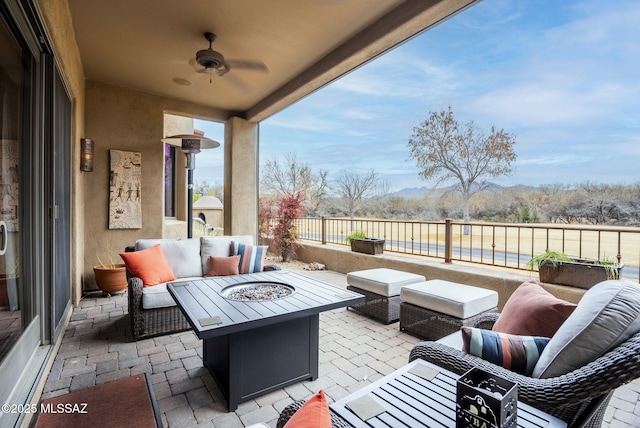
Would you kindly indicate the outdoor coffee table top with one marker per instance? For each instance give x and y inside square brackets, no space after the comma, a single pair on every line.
[419,394]
[210,314]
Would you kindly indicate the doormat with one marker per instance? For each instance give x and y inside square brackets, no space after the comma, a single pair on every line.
[128,402]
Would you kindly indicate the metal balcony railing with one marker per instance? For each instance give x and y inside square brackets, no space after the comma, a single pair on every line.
[497,244]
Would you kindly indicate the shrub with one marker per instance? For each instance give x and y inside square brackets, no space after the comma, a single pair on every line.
[285,233]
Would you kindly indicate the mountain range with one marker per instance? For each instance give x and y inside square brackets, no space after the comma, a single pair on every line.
[420,192]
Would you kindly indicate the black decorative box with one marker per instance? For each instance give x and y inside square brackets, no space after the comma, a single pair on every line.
[485,401]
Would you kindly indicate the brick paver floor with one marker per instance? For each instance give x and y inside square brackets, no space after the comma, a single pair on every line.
[354,351]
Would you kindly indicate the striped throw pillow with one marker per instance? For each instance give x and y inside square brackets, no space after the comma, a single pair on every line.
[251,257]
[517,353]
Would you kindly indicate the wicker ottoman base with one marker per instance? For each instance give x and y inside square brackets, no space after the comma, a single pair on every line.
[383,308]
[431,325]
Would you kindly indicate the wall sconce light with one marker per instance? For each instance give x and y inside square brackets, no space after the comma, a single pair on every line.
[86,155]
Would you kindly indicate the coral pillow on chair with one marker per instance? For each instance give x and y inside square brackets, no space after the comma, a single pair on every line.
[313,414]
[533,311]
[149,265]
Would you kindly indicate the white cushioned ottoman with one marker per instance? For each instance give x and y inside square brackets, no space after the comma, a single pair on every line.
[436,308]
[381,288]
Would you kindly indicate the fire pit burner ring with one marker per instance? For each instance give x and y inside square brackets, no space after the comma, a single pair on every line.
[257,291]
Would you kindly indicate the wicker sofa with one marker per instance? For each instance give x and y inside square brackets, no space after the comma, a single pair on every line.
[152,310]
[579,396]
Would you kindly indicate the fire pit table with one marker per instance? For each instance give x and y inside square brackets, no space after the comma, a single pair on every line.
[259,331]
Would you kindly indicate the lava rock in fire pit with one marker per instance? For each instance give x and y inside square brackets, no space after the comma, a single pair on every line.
[257,291]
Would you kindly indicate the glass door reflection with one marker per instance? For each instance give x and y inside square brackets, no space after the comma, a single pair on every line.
[12,75]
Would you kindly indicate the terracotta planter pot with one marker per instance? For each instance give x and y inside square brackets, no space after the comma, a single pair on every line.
[111,279]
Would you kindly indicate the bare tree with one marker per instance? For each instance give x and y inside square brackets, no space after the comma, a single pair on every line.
[205,188]
[446,150]
[354,189]
[290,177]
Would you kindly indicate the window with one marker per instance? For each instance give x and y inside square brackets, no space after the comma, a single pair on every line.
[170,196]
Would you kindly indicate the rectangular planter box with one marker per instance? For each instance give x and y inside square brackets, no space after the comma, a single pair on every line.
[575,274]
[367,246]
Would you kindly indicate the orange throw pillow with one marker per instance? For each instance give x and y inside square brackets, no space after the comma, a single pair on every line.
[223,266]
[149,265]
[313,414]
[533,311]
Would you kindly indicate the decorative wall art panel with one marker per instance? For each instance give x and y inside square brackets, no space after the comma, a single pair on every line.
[125,208]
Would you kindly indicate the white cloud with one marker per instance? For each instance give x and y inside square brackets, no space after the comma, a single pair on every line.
[554,159]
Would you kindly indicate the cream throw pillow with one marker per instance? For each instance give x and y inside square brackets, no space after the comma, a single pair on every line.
[607,315]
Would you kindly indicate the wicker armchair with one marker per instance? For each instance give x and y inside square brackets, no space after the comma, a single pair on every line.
[580,397]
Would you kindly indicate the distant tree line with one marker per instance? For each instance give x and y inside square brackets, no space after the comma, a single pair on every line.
[582,203]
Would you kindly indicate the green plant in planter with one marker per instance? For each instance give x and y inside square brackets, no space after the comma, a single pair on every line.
[611,267]
[360,243]
[553,256]
[357,234]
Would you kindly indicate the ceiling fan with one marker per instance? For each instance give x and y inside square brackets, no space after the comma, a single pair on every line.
[210,61]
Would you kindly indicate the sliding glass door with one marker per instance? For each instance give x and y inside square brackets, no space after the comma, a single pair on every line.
[14,75]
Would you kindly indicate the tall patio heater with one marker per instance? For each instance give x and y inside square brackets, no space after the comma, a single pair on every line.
[190,145]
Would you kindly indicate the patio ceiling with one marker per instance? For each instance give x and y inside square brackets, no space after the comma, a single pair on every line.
[305,44]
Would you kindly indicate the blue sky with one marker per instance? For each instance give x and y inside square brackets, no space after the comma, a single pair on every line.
[563,76]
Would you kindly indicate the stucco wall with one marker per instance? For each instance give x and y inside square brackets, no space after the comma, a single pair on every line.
[124,119]
[342,259]
[56,19]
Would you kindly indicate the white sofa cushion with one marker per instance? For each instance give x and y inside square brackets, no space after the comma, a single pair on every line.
[183,255]
[383,281]
[453,340]
[158,296]
[607,315]
[219,246]
[458,300]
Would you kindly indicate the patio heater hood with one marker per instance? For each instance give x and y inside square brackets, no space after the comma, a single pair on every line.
[190,144]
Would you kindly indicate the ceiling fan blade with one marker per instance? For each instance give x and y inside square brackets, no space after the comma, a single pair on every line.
[240,64]
[236,81]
